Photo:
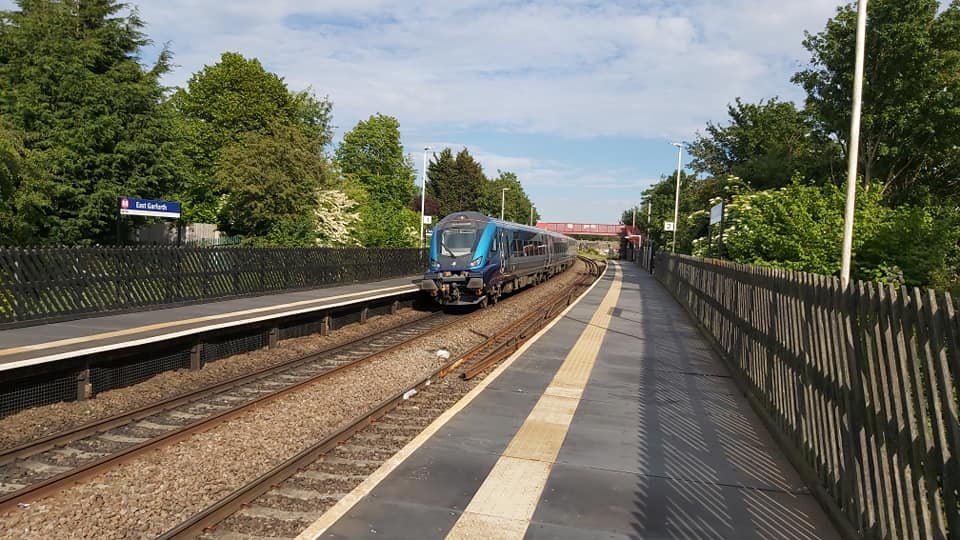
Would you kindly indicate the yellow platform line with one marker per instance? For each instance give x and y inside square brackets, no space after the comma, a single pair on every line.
[505,503]
[183,322]
[317,529]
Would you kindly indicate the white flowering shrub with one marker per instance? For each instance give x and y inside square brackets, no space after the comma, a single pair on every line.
[337,218]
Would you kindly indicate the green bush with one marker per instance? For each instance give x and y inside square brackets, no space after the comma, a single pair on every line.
[800,227]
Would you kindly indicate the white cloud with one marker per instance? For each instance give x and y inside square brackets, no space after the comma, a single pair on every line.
[569,68]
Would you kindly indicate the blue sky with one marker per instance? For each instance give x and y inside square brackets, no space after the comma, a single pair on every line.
[580,98]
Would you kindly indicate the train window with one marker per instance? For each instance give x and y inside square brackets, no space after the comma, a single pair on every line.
[518,247]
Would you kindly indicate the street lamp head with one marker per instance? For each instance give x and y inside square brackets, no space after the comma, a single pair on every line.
[678,144]
[505,189]
[426,148]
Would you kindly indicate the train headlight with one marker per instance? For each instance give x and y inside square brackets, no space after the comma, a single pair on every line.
[476,262]
[434,265]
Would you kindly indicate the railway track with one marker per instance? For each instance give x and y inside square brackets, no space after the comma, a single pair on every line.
[286,499]
[33,470]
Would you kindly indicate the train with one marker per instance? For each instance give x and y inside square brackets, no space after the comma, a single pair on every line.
[475,259]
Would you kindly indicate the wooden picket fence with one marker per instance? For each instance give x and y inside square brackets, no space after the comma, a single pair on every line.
[863,381]
[40,285]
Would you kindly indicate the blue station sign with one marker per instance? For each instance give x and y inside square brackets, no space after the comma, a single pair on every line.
[146,207]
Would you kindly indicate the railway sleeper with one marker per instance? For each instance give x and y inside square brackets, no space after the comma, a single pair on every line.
[381,437]
[322,476]
[337,464]
[267,512]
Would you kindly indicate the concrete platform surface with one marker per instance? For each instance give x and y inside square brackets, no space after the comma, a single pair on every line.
[49,342]
[619,422]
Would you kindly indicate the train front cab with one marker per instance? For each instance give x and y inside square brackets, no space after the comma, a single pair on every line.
[463,250]
[475,259]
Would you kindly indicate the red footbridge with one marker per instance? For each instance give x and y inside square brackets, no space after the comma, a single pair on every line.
[631,233]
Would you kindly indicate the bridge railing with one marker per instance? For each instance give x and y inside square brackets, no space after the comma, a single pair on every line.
[861,382]
[48,284]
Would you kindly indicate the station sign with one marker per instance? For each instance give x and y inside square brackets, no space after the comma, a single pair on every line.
[668,226]
[130,206]
[716,214]
[427,220]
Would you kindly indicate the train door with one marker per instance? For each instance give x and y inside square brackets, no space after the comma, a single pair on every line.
[507,260]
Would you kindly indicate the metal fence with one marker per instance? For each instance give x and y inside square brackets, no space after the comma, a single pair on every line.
[47,284]
[862,381]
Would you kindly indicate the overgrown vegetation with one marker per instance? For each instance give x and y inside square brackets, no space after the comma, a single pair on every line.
[781,170]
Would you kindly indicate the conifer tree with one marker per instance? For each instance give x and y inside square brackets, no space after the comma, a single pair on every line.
[88,116]
[457,183]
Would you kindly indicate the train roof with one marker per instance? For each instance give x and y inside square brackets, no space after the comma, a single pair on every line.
[483,218]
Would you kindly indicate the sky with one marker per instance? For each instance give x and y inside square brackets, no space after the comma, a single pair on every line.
[581,99]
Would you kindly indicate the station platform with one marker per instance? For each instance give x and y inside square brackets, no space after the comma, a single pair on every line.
[619,421]
[21,347]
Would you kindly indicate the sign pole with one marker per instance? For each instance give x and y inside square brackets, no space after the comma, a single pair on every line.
[709,239]
[119,217]
[720,240]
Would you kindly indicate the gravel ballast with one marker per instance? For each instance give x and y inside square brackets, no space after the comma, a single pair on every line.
[32,424]
[154,493]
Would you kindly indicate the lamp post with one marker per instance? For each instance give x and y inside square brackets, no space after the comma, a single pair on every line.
[853,149]
[676,203]
[423,193]
[531,214]
[503,199]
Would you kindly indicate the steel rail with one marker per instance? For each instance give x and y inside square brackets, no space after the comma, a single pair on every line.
[224,508]
[50,485]
[528,325]
[91,428]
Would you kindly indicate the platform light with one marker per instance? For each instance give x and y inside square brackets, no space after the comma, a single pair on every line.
[853,148]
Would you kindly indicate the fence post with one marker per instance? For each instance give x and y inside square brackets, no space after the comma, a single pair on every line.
[196,356]
[84,386]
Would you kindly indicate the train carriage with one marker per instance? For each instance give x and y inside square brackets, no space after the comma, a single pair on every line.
[474,259]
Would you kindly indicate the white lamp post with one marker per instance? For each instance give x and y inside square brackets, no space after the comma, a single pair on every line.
[676,203]
[503,199]
[423,193]
[531,214]
[854,146]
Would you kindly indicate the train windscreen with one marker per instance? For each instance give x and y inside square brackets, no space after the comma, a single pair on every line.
[458,241]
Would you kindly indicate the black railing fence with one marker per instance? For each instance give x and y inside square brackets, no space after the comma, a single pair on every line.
[46,284]
[862,381]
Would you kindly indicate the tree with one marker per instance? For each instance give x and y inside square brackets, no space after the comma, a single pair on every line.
[456,182]
[225,103]
[766,145]
[696,196]
[393,226]
[372,153]
[88,117]
[431,206]
[271,185]
[517,204]
[911,95]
